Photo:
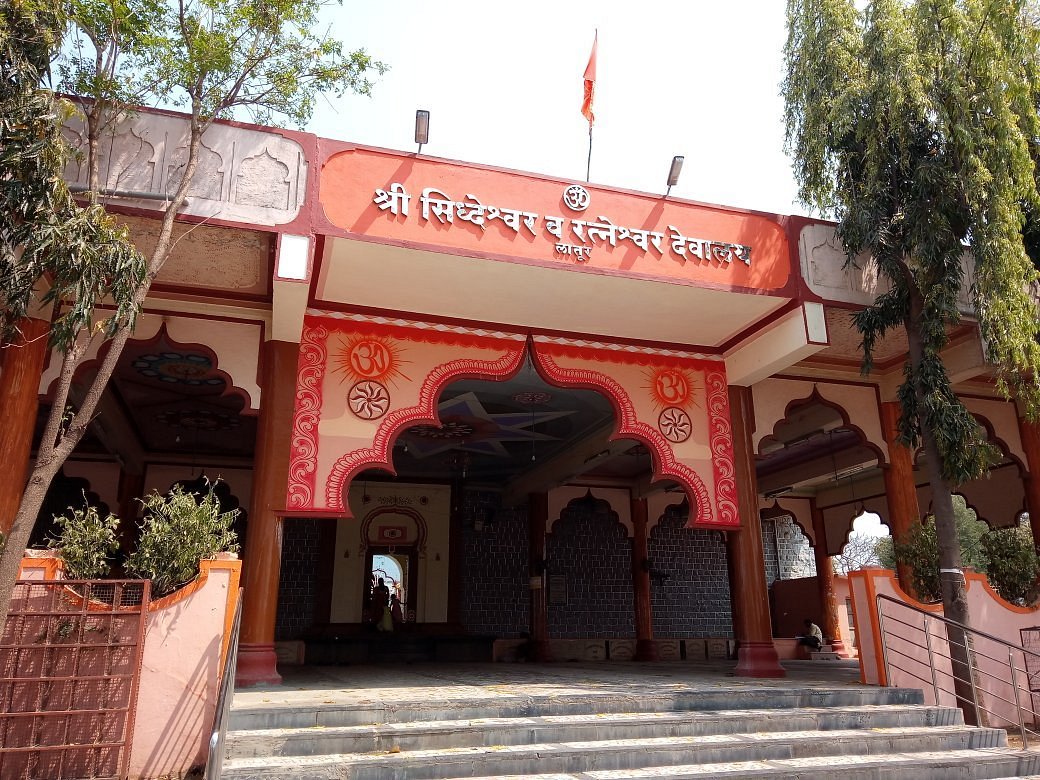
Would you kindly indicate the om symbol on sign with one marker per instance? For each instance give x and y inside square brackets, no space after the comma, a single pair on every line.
[370,359]
[672,387]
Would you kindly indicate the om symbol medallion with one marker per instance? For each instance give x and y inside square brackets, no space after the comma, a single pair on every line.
[675,424]
[369,400]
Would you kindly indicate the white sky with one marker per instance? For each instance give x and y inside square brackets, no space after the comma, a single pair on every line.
[503,83]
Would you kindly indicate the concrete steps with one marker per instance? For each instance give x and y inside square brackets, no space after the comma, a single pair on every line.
[781,732]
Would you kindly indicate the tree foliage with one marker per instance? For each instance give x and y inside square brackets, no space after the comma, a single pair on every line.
[261,59]
[919,549]
[52,251]
[86,541]
[178,530]
[913,123]
[1005,555]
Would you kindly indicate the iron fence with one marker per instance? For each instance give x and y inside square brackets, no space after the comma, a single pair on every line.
[70,662]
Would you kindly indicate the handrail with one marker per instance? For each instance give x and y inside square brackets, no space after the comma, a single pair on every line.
[973,668]
[215,760]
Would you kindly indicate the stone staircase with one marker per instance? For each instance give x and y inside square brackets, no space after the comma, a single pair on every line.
[728,731]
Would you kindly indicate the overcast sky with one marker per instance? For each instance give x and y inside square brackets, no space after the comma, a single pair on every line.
[503,83]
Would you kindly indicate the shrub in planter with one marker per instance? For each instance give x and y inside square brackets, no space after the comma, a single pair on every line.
[1013,564]
[178,530]
[85,542]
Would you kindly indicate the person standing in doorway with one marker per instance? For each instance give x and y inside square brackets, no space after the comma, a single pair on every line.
[380,602]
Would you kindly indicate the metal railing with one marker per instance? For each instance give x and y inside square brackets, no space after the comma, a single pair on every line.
[997,670]
[215,761]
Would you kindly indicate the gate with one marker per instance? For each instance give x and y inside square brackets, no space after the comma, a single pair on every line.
[70,661]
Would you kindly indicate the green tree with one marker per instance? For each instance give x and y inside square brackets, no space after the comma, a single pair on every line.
[1013,566]
[215,59]
[920,549]
[54,254]
[912,123]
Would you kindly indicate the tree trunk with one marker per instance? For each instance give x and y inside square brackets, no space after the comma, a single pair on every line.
[951,577]
[56,447]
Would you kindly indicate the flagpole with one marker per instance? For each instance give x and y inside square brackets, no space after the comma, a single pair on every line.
[586,104]
[588,165]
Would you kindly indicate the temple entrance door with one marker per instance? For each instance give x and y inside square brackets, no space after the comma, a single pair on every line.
[398,568]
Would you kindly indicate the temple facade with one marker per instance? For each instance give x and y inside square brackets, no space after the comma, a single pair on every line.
[576,420]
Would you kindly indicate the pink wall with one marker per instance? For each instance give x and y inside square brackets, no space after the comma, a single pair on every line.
[908,659]
[185,643]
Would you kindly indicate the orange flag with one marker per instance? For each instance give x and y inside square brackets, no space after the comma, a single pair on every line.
[590,84]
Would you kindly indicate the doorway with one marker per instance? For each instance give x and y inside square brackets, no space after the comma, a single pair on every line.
[398,568]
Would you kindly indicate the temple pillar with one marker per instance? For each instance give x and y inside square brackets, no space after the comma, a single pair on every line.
[825,582]
[19,400]
[261,566]
[900,488]
[537,517]
[646,650]
[1030,434]
[745,557]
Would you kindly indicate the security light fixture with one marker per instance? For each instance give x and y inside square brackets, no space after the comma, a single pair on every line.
[422,128]
[673,173]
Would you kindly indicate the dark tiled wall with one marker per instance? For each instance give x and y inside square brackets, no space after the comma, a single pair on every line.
[495,598]
[591,549]
[297,587]
[693,601]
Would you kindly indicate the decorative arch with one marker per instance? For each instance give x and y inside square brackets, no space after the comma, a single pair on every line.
[417,518]
[622,514]
[665,464]
[214,370]
[815,397]
[691,439]
[422,413]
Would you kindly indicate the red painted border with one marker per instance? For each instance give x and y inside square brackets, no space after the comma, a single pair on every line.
[665,463]
[303,448]
[425,412]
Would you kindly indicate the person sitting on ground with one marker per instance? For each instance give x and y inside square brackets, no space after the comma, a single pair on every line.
[813,637]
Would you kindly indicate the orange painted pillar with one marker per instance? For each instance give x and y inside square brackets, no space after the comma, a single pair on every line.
[537,517]
[646,649]
[900,488]
[825,582]
[263,553]
[19,401]
[1030,433]
[745,557]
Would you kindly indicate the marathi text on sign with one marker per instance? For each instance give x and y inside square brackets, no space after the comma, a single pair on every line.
[436,205]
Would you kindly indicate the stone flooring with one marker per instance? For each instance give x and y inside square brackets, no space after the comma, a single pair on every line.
[373,684]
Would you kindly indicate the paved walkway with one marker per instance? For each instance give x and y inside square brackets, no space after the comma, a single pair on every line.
[392,684]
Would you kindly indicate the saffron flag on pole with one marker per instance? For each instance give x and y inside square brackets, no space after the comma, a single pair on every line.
[590,84]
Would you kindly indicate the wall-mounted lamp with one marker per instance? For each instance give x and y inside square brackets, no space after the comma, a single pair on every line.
[673,172]
[422,128]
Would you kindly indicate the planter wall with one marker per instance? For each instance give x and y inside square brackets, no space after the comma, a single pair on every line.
[186,638]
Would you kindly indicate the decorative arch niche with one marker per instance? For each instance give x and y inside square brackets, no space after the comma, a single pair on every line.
[363,380]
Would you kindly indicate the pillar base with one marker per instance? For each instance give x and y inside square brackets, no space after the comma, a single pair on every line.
[646,650]
[758,659]
[257,665]
[539,652]
[839,647]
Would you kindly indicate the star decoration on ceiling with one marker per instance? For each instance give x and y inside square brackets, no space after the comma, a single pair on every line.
[467,425]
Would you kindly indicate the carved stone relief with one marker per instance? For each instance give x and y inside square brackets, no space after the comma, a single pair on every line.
[244,175]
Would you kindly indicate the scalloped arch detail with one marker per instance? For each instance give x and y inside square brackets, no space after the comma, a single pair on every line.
[629,427]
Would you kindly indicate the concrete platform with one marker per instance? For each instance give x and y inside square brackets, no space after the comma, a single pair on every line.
[380,684]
